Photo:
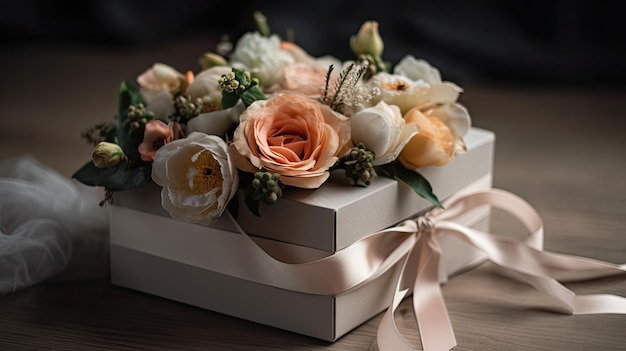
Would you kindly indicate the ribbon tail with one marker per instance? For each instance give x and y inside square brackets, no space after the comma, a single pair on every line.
[388,337]
[430,308]
[538,269]
[435,329]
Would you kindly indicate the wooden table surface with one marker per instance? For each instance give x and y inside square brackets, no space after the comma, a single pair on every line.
[561,148]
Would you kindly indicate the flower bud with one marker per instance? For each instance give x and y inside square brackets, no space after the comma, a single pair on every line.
[210,59]
[106,155]
[367,41]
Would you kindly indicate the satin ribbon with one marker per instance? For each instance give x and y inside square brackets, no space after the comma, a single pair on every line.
[414,244]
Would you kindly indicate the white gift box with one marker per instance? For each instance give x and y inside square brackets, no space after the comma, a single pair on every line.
[153,253]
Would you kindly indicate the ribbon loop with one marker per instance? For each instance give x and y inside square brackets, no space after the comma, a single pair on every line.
[415,245]
[531,265]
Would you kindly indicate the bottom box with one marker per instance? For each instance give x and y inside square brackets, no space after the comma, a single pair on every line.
[172,259]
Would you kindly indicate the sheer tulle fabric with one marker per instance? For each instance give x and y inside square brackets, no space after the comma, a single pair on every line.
[48,224]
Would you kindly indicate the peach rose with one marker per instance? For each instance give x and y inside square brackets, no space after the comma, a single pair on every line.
[304,77]
[292,135]
[433,145]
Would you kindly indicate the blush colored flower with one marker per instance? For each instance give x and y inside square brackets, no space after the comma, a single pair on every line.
[157,134]
[198,177]
[307,78]
[307,75]
[160,77]
[292,135]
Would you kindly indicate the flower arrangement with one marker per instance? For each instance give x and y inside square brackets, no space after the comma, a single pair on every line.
[262,115]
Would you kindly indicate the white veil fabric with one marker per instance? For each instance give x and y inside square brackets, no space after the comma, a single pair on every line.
[50,226]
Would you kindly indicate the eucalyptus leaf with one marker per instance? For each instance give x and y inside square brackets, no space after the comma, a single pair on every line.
[114,178]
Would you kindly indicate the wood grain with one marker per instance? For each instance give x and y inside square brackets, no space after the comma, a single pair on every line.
[563,149]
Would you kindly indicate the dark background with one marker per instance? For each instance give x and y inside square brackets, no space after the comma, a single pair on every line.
[521,42]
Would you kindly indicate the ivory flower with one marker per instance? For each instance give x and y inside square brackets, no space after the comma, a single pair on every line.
[106,155]
[261,56]
[157,134]
[198,177]
[415,69]
[415,84]
[292,135]
[382,130]
[205,86]
[216,122]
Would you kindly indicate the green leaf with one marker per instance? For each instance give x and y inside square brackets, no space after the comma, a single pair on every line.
[229,99]
[129,95]
[129,142]
[240,76]
[114,178]
[414,180]
[251,95]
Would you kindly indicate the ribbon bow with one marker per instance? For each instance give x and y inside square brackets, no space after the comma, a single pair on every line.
[415,244]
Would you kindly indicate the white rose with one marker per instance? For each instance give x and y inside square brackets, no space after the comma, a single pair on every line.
[198,177]
[261,56]
[382,130]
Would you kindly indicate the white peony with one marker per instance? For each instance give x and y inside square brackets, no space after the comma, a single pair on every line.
[261,56]
[382,130]
[198,177]
[415,69]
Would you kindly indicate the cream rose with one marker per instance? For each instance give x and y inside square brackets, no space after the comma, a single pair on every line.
[382,130]
[198,177]
[292,135]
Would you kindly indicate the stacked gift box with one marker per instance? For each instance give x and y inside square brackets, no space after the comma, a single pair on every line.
[185,262]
